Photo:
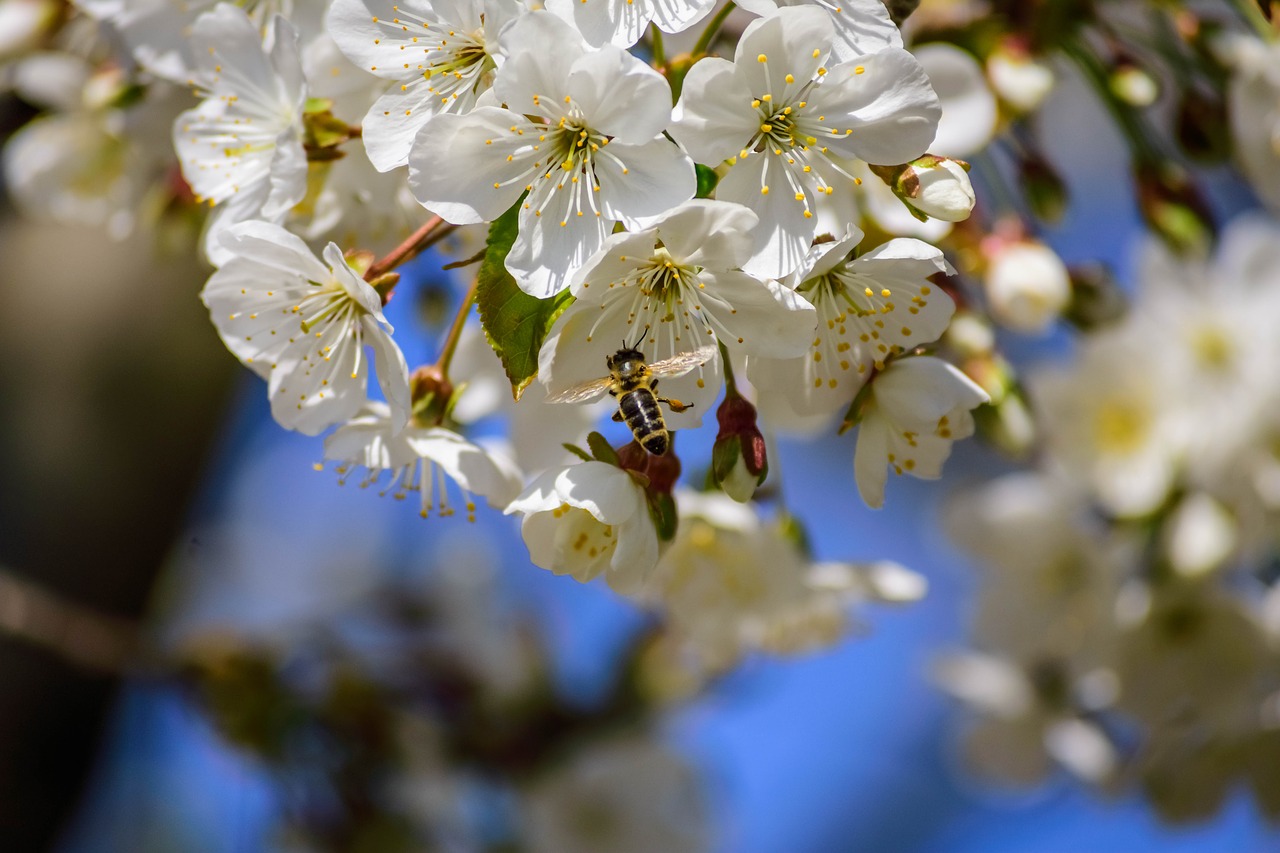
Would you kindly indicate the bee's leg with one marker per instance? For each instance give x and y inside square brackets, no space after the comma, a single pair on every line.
[617,416]
[676,405]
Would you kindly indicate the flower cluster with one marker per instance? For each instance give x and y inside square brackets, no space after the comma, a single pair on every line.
[657,228]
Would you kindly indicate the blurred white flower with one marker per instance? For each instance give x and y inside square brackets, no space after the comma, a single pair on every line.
[1199,535]
[1029,720]
[1027,285]
[732,583]
[630,795]
[1253,106]
[969,112]
[1022,81]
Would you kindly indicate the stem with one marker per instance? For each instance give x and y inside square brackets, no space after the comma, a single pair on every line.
[455,331]
[1253,16]
[712,30]
[730,384]
[434,230]
[659,50]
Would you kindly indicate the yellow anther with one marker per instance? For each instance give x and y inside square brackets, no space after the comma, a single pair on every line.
[762,58]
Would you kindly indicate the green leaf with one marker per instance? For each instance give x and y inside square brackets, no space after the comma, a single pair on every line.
[578,451]
[602,450]
[707,180]
[515,323]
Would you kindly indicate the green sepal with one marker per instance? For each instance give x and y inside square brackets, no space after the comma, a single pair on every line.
[578,452]
[724,455]
[662,509]
[514,322]
[602,450]
[707,180]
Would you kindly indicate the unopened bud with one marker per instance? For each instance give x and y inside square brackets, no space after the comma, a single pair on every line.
[432,394]
[1020,81]
[932,186]
[1199,535]
[1174,208]
[1134,85]
[1096,298]
[1202,126]
[1044,189]
[1027,286]
[739,461]
[24,24]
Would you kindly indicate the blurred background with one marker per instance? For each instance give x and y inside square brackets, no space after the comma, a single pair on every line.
[206,645]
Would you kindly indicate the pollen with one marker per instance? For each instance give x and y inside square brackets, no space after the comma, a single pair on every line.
[762,58]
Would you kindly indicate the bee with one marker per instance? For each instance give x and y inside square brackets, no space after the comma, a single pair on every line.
[634,383]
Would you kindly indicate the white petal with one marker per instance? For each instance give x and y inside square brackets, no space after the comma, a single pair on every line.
[714,117]
[644,180]
[635,557]
[706,233]
[469,465]
[456,160]
[392,370]
[890,107]
[619,95]
[784,234]
[764,318]
[916,392]
[795,42]
[870,458]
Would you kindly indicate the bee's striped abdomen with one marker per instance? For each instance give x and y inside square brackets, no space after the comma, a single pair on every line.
[639,409]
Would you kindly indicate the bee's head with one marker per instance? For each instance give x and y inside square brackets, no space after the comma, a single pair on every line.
[622,356]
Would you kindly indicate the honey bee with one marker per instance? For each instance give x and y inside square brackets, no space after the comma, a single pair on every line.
[634,383]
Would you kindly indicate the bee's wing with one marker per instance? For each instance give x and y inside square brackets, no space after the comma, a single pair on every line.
[682,363]
[583,391]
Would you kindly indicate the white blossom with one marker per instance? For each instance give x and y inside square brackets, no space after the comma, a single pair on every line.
[869,307]
[791,124]
[302,324]
[441,57]
[418,459]
[241,148]
[589,519]
[679,280]
[581,134]
[916,408]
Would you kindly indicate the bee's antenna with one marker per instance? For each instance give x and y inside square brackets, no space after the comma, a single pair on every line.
[639,340]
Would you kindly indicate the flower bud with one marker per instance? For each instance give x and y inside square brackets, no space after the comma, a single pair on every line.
[24,24]
[1134,85]
[932,186]
[433,395]
[1020,81]
[1044,189]
[1027,286]
[739,462]
[1173,206]
[1199,535]
[1096,298]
